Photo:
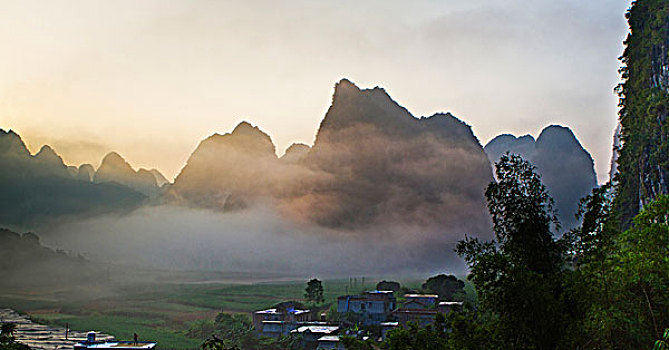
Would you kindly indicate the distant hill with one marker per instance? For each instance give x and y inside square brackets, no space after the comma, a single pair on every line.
[39,188]
[373,163]
[24,261]
[566,168]
[228,171]
[116,169]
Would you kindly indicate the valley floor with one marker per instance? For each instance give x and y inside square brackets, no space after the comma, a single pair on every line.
[158,311]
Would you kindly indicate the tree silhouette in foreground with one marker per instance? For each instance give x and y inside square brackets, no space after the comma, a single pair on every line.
[517,274]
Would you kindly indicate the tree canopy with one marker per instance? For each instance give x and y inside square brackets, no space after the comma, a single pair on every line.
[314,291]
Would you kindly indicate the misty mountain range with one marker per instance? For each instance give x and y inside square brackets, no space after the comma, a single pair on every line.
[40,188]
[373,165]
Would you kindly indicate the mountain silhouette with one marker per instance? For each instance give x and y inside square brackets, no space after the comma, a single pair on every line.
[39,188]
[566,168]
[116,169]
[227,171]
[378,163]
[295,153]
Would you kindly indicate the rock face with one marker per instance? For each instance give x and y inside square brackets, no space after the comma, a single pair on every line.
[566,168]
[38,188]
[115,169]
[643,163]
[372,163]
[160,178]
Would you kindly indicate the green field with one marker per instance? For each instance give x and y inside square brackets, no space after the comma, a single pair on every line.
[159,311]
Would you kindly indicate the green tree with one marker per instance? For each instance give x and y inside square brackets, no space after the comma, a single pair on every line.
[448,287]
[215,343]
[201,329]
[621,280]
[590,279]
[641,266]
[7,329]
[432,337]
[314,291]
[662,344]
[470,330]
[7,338]
[517,274]
[388,285]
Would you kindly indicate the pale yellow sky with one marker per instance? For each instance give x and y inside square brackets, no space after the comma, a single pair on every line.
[150,79]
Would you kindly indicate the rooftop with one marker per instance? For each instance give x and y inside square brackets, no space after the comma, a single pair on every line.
[331,338]
[421,296]
[277,312]
[117,345]
[317,329]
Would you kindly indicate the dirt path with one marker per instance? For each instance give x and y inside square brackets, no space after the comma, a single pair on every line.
[38,336]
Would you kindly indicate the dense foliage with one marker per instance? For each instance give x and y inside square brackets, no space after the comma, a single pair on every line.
[448,287]
[643,163]
[517,275]
[314,291]
[388,285]
[7,340]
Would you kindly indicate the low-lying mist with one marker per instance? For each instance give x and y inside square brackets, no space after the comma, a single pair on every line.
[253,240]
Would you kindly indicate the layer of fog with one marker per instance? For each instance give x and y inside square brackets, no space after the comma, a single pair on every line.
[253,240]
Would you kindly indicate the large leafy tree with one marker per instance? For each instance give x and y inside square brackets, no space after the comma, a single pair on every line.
[314,291]
[448,287]
[517,274]
[621,279]
[641,268]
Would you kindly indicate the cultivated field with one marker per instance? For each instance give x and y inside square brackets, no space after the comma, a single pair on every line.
[160,311]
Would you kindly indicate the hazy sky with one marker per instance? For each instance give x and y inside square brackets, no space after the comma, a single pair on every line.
[150,79]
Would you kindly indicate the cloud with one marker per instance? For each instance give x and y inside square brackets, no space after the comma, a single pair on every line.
[254,240]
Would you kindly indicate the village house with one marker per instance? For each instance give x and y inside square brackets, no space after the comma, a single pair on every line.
[420,301]
[330,342]
[445,307]
[372,307]
[422,309]
[279,322]
[312,333]
[386,327]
